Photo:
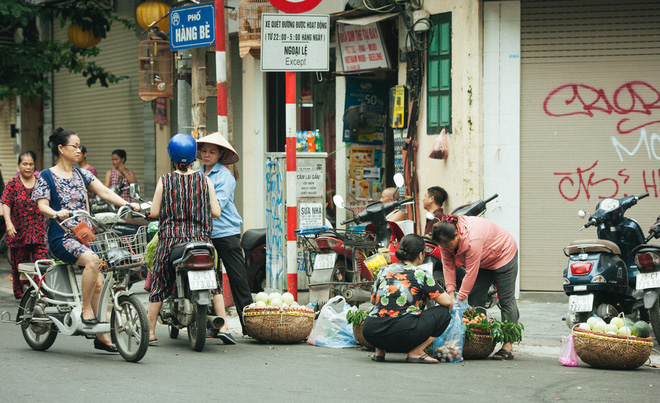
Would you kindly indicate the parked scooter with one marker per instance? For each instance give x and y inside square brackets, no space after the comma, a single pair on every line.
[52,304]
[647,259]
[601,274]
[253,243]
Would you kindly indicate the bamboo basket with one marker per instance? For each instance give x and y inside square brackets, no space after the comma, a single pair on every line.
[479,346]
[611,352]
[357,332]
[278,325]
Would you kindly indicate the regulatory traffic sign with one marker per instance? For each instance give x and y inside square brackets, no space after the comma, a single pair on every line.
[293,7]
[295,42]
[192,27]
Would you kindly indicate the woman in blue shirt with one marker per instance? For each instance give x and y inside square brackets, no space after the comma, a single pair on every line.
[216,152]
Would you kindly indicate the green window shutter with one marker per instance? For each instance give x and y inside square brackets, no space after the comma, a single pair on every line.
[439,76]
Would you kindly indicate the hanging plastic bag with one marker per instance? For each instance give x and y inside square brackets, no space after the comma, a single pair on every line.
[449,346]
[567,354]
[440,149]
[331,328]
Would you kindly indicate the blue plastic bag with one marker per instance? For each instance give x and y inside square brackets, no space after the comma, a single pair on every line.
[449,346]
[331,328]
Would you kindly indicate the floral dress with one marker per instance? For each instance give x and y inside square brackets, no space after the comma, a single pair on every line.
[402,289]
[72,194]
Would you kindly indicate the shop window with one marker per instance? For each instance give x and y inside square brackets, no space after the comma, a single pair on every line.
[438,105]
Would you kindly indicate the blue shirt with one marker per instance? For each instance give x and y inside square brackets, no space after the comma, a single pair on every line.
[224,184]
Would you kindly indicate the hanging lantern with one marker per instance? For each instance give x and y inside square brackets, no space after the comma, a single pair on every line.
[81,38]
[249,25]
[153,10]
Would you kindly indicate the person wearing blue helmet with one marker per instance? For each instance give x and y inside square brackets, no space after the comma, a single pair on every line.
[185,203]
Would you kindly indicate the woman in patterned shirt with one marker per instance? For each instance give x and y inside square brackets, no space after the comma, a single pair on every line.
[398,322]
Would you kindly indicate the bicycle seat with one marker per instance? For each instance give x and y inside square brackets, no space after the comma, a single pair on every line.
[253,237]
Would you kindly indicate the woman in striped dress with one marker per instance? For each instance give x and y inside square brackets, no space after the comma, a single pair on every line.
[185,202]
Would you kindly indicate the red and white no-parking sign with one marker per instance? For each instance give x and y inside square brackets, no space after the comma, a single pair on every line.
[294,6]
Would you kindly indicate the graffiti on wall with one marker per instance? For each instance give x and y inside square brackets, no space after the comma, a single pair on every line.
[275,260]
[638,104]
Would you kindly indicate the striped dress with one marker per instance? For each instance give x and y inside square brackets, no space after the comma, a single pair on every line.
[185,215]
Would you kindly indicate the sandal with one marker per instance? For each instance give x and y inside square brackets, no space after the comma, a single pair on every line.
[153,342]
[377,358]
[502,355]
[422,359]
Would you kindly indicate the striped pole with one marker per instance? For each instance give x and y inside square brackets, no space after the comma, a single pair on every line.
[221,88]
[291,196]
[221,67]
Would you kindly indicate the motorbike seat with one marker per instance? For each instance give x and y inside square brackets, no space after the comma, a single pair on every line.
[253,237]
[178,249]
[592,246]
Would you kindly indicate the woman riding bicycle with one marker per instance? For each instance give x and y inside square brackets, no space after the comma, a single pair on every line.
[185,202]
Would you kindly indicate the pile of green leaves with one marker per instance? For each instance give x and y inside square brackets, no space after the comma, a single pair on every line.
[355,316]
[27,62]
[501,332]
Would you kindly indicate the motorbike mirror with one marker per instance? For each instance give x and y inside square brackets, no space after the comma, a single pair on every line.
[398,180]
[135,190]
[339,201]
[582,213]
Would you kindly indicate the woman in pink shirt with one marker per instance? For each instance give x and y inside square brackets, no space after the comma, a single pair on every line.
[490,254]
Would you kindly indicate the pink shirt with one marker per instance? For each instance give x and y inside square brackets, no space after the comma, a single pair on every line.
[482,244]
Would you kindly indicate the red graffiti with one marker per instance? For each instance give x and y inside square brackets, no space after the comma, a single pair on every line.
[631,97]
[574,182]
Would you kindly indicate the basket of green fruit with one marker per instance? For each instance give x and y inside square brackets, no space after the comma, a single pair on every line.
[620,344]
[483,333]
[356,317]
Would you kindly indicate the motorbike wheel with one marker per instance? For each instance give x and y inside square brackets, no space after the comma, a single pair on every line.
[197,328]
[38,335]
[174,331]
[654,314]
[260,280]
[129,329]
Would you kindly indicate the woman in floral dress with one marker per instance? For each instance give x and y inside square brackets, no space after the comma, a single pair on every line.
[61,189]
[399,322]
[25,226]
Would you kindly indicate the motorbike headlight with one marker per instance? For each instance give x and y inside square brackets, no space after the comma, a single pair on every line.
[607,204]
[598,279]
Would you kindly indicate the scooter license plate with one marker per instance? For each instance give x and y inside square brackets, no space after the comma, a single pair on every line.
[202,280]
[581,303]
[648,280]
[324,260]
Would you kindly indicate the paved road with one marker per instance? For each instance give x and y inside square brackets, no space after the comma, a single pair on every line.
[72,370]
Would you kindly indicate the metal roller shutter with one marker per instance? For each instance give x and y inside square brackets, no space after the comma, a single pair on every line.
[590,89]
[105,118]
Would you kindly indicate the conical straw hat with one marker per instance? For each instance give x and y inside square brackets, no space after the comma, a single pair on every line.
[230,157]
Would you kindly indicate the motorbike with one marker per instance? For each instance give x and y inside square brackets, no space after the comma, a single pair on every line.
[647,259]
[101,206]
[601,275]
[253,244]
[52,304]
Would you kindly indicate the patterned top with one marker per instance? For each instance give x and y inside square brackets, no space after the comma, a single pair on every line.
[25,214]
[185,213]
[402,289]
[71,192]
[118,179]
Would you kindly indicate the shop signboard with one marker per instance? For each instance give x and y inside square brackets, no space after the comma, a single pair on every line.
[361,47]
[311,215]
[192,27]
[365,116]
[310,177]
[295,42]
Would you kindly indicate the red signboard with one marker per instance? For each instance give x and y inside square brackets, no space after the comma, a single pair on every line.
[293,7]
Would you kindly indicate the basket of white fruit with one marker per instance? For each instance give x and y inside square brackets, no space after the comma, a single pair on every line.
[277,318]
[621,344]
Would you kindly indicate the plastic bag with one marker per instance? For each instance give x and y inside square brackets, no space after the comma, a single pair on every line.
[449,346]
[331,328]
[567,354]
[440,149]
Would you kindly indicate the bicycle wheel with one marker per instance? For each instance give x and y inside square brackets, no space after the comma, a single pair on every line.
[129,329]
[38,331]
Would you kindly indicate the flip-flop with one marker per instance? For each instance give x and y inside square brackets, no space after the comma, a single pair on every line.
[422,359]
[377,358]
[153,342]
[504,355]
[226,338]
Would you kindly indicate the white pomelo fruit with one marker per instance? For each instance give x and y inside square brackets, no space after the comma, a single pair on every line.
[287,298]
[275,302]
[274,295]
[584,326]
[599,326]
[611,328]
[260,304]
[262,296]
[624,331]
[592,321]
[618,322]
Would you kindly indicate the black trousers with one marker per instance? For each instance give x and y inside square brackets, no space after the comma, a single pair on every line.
[230,255]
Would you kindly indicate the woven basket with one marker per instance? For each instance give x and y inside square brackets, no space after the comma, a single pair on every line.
[612,352]
[478,347]
[275,325]
[357,332]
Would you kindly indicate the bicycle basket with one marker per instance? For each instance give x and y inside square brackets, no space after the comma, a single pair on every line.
[120,252]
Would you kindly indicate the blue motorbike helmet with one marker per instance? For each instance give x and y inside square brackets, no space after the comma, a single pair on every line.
[182,148]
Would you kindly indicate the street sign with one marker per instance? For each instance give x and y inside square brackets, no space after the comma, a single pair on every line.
[295,42]
[192,27]
[293,6]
